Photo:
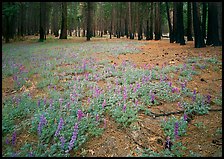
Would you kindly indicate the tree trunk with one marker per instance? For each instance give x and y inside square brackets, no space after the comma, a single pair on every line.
[88,21]
[199,41]
[7,29]
[180,23]
[213,35]
[189,22]
[169,23]
[157,22]
[151,23]
[63,34]
[204,20]
[42,12]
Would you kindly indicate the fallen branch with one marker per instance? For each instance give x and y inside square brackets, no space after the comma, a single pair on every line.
[154,115]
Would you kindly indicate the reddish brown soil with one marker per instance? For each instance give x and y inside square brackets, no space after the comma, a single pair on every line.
[116,141]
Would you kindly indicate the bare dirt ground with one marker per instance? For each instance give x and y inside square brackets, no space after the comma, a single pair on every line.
[117,141]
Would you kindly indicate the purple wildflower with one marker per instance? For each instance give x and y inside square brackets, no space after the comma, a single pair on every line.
[170,84]
[194,92]
[61,122]
[168,143]
[68,105]
[208,98]
[152,97]
[30,154]
[7,141]
[104,104]
[79,114]
[55,88]
[176,130]
[193,68]
[124,108]
[185,117]
[42,122]
[62,139]
[179,105]
[173,89]
[74,137]
[97,117]
[14,138]
[183,86]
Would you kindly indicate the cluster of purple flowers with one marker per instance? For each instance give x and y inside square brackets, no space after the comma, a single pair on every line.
[152,96]
[42,122]
[124,108]
[74,137]
[62,139]
[125,93]
[104,103]
[185,117]
[194,96]
[97,117]
[176,130]
[61,122]
[79,114]
[14,138]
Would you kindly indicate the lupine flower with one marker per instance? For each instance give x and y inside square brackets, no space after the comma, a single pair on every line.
[185,117]
[42,122]
[14,154]
[194,95]
[7,141]
[62,139]
[30,154]
[55,88]
[179,105]
[136,102]
[124,108]
[79,114]
[208,98]
[168,143]
[176,130]
[105,123]
[74,137]
[182,86]
[193,68]
[61,122]
[68,105]
[104,104]
[170,84]
[152,97]
[14,138]
[97,117]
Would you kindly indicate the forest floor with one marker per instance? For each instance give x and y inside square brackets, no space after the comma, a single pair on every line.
[204,132]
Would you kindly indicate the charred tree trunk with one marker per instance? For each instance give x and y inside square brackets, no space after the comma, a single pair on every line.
[63,34]
[189,22]
[204,20]
[213,35]
[88,36]
[151,23]
[42,12]
[180,23]
[157,22]
[169,23]
[199,41]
